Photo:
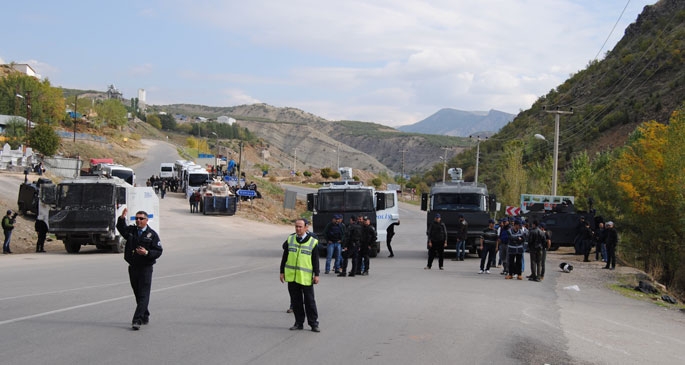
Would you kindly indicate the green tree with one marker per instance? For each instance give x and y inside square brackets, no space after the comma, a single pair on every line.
[44,139]
[326,172]
[513,176]
[578,178]
[15,132]
[169,123]
[376,182]
[153,120]
[47,102]
[110,112]
[649,178]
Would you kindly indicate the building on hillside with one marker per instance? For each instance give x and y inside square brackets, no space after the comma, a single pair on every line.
[5,119]
[141,99]
[26,69]
[114,93]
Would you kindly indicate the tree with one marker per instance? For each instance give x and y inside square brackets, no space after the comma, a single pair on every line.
[154,120]
[649,178]
[44,139]
[513,176]
[376,182]
[47,102]
[110,112]
[168,122]
[15,131]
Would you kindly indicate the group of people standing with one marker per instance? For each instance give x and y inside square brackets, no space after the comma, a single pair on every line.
[352,242]
[604,239]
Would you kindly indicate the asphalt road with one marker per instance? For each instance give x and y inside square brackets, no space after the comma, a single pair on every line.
[217,300]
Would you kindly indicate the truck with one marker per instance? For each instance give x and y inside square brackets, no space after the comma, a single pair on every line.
[218,199]
[352,198]
[29,195]
[457,197]
[84,211]
[115,170]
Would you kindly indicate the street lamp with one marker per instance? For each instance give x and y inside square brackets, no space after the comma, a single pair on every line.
[444,165]
[28,115]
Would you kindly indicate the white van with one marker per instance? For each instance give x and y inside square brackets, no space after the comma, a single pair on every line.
[167,170]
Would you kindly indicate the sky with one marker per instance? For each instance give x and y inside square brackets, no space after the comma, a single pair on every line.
[384,61]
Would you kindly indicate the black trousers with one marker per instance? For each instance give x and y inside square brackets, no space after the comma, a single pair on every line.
[611,259]
[40,244]
[350,255]
[303,302]
[141,282]
[487,254]
[433,251]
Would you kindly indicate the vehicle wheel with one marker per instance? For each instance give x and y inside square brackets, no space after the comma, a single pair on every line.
[374,252]
[21,209]
[554,247]
[72,247]
[119,245]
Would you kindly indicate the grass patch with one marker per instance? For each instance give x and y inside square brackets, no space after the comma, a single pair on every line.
[626,284]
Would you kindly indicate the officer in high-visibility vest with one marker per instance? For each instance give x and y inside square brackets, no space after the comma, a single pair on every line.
[300,268]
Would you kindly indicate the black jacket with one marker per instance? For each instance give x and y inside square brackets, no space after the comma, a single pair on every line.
[149,240]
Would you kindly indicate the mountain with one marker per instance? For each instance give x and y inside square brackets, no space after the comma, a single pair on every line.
[453,122]
[641,79]
[321,143]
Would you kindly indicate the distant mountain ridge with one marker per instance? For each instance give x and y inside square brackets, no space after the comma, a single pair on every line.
[460,123]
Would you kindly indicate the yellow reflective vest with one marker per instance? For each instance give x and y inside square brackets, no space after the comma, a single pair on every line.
[298,266]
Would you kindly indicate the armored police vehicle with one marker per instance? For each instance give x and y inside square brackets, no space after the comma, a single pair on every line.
[29,195]
[351,198]
[455,198]
[84,211]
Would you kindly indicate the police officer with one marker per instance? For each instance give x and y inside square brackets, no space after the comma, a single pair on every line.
[368,238]
[142,250]
[437,241]
[300,268]
[351,247]
[7,226]
[42,231]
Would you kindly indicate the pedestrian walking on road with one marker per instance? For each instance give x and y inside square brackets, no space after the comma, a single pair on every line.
[142,250]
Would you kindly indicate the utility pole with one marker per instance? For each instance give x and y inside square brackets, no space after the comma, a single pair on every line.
[444,164]
[556,113]
[475,179]
[75,111]
[295,162]
[403,151]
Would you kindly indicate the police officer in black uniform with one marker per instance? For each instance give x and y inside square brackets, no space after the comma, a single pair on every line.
[351,247]
[368,239]
[143,248]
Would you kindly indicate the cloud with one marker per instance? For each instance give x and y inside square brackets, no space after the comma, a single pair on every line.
[140,70]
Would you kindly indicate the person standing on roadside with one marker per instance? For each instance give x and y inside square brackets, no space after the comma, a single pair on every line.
[437,241]
[7,226]
[334,233]
[351,247]
[545,247]
[488,247]
[300,269]
[142,250]
[462,234]
[536,241]
[611,243]
[368,238]
[390,233]
[42,231]
[516,249]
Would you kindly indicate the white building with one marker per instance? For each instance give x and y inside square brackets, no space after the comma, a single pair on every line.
[26,69]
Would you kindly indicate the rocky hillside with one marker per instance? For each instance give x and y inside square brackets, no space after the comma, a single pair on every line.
[366,146]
